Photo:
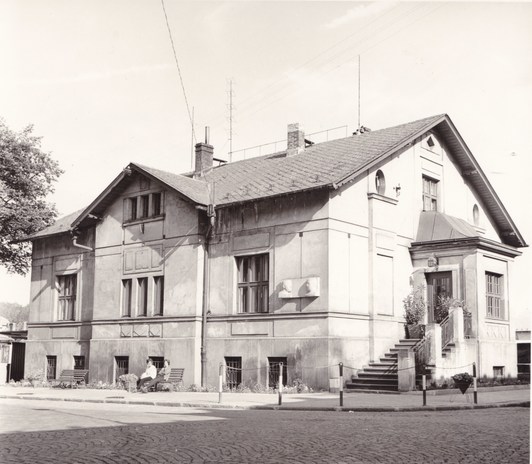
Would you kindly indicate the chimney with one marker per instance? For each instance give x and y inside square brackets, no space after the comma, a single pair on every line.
[204,155]
[296,140]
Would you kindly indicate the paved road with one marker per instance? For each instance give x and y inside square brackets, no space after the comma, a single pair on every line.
[62,432]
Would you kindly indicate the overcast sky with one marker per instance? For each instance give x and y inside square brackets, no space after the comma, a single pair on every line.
[99,82]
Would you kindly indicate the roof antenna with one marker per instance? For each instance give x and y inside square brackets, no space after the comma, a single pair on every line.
[358,126]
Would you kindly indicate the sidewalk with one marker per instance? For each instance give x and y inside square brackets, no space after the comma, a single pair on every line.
[412,401]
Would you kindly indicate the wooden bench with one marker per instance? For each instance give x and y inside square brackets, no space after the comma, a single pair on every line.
[176,377]
[73,377]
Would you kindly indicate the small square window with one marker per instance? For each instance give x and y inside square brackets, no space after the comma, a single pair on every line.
[79,362]
[274,369]
[498,372]
[121,366]
[233,371]
[51,367]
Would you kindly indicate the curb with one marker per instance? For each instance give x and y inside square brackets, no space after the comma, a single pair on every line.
[514,404]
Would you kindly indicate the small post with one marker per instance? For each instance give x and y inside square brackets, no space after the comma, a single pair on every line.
[280,384]
[341,387]
[475,398]
[424,385]
[220,381]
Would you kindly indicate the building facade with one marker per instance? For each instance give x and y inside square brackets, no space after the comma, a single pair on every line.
[302,257]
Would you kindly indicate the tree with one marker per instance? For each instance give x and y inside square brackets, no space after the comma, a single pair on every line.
[14,312]
[26,177]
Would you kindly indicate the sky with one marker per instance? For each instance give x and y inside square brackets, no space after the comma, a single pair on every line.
[99,82]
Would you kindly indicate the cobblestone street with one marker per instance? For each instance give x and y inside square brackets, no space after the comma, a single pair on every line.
[46,431]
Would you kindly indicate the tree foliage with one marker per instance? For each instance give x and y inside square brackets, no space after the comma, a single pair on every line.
[27,175]
[14,312]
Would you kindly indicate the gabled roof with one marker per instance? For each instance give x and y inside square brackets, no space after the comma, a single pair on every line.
[323,165]
[328,164]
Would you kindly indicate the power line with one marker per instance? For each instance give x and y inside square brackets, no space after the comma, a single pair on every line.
[369,47]
[191,119]
[364,33]
[366,38]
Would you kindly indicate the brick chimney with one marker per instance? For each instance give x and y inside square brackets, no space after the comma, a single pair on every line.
[296,140]
[204,156]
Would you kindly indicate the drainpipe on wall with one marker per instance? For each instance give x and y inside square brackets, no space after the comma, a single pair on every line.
[211,214]
[76,244]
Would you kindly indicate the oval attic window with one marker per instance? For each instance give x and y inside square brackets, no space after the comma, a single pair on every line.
[380,182]
[476,215]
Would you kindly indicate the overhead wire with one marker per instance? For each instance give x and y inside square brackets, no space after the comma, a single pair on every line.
[179,72]
[357,52]
[249,101]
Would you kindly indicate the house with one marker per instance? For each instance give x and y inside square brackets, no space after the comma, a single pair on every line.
[302,257]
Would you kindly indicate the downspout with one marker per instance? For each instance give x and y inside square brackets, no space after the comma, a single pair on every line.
[76,244]
[211,214]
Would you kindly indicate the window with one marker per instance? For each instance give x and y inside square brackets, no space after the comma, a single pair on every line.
[142,308]
[158,361]
[127,287]
[476,215]
[132,208]
[67,285]
[274,368]
[430,194]
[498,372]
[233,371]
[380,182]
[121,366]
[143,206]
[523,361]
[253,287]
[79,362]
[158,304]
[156,204]
[51,367]
[494,296]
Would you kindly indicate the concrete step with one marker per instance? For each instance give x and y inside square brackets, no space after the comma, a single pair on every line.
[369,386]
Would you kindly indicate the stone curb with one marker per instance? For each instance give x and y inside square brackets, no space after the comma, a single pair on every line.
[514,404]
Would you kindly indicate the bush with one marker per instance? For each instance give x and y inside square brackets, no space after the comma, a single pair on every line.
[414,306]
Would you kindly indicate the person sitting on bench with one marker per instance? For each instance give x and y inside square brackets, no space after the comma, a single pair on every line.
[149,374]
[162,376]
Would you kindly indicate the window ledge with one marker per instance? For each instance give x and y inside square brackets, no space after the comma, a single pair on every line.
[385,199]
[144,220]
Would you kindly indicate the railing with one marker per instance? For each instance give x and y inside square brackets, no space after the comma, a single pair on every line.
[423,353]
[447,334]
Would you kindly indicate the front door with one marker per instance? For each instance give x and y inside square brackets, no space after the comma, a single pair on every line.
[439,284]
